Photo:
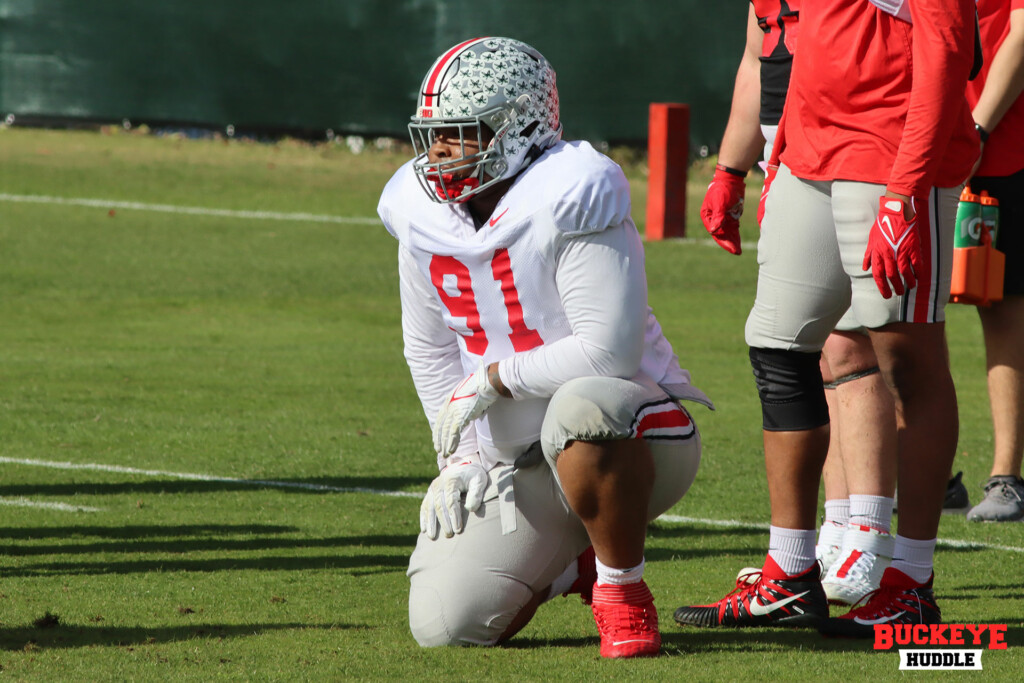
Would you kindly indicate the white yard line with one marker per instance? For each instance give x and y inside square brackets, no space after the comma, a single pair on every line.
[726,523]
[257,215]
[760,526]
[190,210]
[192,476]
[269,483]
[62,507]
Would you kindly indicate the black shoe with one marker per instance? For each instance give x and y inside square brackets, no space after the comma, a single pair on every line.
[956,496]
[762,601]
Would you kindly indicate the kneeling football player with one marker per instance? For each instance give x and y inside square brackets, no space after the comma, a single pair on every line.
[552,394]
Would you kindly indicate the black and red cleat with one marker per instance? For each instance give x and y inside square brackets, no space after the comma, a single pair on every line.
[898,600]
[771,598]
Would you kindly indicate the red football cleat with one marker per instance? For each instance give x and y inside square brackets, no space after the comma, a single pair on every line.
[898,600]
[584,583]
[627,620]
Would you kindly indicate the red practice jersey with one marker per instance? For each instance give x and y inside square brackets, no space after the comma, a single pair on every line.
[875,99]
[1004,152]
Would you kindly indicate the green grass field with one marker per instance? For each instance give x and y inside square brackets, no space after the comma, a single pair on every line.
[211,454]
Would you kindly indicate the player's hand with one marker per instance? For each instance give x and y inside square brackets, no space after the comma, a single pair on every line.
[722,208]
[769,176]
[894,248]
[442,507]
[468,401]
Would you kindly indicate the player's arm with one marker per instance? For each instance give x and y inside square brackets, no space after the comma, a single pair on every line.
[432,353]
[741,145]
[942,55]
[742,142]
[431,349]
[603,291]
[1005,80]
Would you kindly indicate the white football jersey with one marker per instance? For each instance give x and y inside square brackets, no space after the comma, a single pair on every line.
[552,286]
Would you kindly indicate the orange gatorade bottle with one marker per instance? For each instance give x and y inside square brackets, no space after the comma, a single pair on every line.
[978,266]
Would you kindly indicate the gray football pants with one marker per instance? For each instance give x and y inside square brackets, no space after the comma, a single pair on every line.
[467,589]
[810,255]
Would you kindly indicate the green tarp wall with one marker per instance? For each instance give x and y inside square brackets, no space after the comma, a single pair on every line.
[354,65]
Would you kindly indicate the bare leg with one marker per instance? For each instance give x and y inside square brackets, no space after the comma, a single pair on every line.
[832,472]
[915,366]
[523,617]
[608,484]
[837,495]
[793,461]
[865,417]
[1003,327]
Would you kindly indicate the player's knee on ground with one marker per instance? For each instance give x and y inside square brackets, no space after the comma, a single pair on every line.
[449,609]
[790,388]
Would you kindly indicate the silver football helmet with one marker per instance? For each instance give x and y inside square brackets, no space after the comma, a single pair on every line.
[500,84]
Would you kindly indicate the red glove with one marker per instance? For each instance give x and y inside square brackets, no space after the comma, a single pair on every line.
[894,248]
[722,208]
[769,176]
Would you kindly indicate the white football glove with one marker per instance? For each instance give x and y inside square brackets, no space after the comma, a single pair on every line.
[442,506]
[468,401]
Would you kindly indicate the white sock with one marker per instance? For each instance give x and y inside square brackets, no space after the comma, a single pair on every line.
[831,534]
[618,577]
[914,558]
[792,549]
[872,511]
[837,511]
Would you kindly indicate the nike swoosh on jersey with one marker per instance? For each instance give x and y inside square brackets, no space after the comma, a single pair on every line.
[758,610]
[880,620]
[494,221]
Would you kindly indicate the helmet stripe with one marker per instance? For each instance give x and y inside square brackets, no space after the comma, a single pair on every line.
[442,64]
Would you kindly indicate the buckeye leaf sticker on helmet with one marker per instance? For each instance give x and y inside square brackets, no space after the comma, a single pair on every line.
[499,90]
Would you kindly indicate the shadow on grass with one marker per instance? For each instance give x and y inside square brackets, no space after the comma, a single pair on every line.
[1014,590]
[29,638]
[186,544]
[308,485]
[135,532]
[695,641]
[677,640]
[357,565]
[357,554]
[684,641]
